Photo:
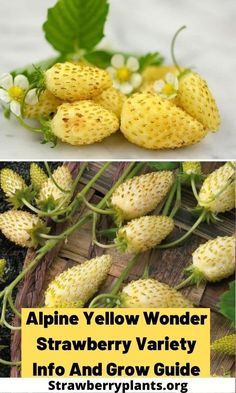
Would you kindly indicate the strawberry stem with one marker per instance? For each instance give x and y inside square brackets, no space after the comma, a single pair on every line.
[186,235]
[27,126]
[107,296]
[111,232]
[7,363]
[94,237]
[124,274]
[96,209]
[170,198]
[178,199]
[187,282]
[173,47]
[194,189]
[146,270]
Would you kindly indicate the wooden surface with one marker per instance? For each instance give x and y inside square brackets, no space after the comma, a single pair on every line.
[165,265]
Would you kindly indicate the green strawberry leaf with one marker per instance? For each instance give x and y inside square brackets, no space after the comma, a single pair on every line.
[163,166]
[100,58]
[76,25]
[227,303]
[150,59]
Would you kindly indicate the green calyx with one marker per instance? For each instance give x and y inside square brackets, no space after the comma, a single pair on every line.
[209,216]
[48,205]
[118,216]
[121,241]
[196,277]
[25,194]
[36,232]
[48,135]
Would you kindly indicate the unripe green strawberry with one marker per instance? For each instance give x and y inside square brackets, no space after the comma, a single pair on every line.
[21,227]
[2,267]
[79,283]
[217,193]
[45,108]
[156,123]
[214,260]
[148,292]
[144,233]
[112,100]
[192,168]
[11,182]
[141,194]
[83,123]
[50,193]
[195,98]
[37,176]
[225,345]
[73,82]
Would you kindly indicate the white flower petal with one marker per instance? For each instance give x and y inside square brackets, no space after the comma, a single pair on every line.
[15,108]
[158,85]
[133,64]
[111,71]
[31,97]
[170,78]
[126,88]
[116,84]
[136,80]
[6,81]
[4,96]
[118,61]
[21,81]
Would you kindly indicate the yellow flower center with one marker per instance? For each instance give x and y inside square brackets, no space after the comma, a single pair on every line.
[16,93]
[168,89]
[123,74]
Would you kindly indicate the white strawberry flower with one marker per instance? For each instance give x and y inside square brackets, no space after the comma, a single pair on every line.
[167,88]
[124,73]
[12,91]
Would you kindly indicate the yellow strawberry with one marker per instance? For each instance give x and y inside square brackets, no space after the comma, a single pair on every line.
[141,194]
[73,82]
[225,345]
[195,98]
[83,123]
[112,100]
[21,227]
[217,193]
[50,194]
[215,259]
[144,233]
[212,261]
[79,283]
[45,108]
[148,292]
[155,123]
[11,182]
[37,176]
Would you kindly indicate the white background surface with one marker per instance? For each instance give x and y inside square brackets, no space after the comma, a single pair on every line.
[134,25]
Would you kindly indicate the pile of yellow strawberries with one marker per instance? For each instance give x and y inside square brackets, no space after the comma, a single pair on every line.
[84,106]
